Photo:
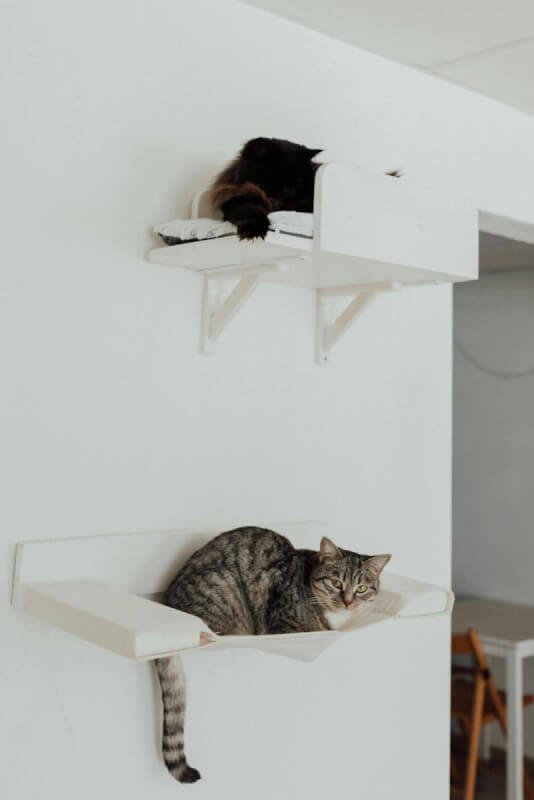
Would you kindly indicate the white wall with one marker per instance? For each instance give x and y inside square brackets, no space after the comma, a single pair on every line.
[117,112]
[493,464]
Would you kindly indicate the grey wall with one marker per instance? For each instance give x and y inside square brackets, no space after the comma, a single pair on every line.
[493,454]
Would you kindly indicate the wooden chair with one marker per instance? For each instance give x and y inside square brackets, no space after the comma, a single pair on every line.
[476,701]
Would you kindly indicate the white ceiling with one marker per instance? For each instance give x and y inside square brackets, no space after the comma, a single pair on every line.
[486,45]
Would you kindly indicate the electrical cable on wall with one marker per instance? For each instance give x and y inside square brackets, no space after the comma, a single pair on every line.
[473,360]
[493,373]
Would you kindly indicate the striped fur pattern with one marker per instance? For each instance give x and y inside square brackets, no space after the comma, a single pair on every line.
[172,681]
[253,581]
[267,175]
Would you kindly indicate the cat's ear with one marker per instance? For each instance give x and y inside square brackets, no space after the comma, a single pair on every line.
[327,549]
[312,152]
[377,563]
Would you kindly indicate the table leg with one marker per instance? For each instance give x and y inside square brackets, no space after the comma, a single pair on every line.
[485,736]
[514,747]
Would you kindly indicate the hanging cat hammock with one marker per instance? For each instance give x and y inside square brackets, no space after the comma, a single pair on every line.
[369,233]
[87,587]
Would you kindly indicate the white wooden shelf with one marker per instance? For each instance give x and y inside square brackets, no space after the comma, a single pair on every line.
[368,229]
[101,589]
[372,233]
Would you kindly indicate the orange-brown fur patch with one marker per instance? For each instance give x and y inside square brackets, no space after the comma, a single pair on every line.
[221,193]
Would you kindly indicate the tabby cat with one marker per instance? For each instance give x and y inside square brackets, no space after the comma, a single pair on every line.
[267,175]
[253,581]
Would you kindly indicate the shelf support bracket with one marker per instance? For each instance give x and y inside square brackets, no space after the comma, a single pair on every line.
[330,329]
[219,307]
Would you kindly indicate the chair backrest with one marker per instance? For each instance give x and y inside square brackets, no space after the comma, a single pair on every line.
[468,644]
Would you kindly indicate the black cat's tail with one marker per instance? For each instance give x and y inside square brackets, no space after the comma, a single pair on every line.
[244,204]
[172,679]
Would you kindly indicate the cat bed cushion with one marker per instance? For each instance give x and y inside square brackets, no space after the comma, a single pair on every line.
[183,231]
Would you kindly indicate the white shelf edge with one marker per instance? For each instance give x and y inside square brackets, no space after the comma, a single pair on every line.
[142,630]
[119,621]
[305,264]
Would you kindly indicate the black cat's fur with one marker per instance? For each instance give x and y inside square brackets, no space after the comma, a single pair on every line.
[267,175]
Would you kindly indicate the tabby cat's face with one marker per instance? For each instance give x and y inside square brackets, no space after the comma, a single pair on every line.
[342,579]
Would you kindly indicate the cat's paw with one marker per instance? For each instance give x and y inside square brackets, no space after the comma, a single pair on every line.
[190,775]
[255,227]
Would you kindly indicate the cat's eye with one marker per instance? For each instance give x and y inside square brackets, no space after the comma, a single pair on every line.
[337,584]
[361,588]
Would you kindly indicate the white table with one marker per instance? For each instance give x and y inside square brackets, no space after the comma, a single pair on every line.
[505,630]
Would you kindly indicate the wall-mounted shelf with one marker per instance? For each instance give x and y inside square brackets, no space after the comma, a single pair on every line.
[372,232]
[100,589]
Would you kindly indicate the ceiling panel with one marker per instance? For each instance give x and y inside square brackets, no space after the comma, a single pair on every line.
[421,32]
[503,74]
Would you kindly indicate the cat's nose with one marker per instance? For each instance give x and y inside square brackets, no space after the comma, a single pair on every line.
[347,601]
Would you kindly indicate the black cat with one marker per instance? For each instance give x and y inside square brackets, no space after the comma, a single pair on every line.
[267,175]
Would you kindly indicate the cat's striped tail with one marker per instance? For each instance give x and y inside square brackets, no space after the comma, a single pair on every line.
[172,679]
